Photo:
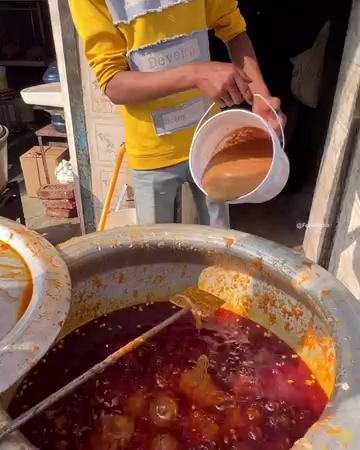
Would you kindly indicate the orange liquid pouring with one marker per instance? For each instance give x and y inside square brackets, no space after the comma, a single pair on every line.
[241,163]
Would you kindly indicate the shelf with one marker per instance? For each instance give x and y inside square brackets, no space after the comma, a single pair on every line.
[49,94]
[22,63]
[49,132]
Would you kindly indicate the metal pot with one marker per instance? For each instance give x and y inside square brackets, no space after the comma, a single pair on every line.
[35,292]
[301,302]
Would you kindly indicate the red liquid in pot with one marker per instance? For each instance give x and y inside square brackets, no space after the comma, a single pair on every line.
[231,385]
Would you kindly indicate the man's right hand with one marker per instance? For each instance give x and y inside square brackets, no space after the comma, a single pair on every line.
[225,83]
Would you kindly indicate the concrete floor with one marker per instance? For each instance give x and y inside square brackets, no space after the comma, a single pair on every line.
[53,229]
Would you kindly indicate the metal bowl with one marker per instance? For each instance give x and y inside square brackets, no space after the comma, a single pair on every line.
[35,292]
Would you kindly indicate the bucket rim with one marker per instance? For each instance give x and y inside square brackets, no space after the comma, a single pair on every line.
[271,132]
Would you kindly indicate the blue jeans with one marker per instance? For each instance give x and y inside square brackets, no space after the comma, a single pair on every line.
[155,192]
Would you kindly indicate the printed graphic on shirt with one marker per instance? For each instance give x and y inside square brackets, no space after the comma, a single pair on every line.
[180,117]
[171,53]
[125,11]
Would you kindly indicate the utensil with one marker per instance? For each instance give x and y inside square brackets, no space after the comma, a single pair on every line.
[202,304]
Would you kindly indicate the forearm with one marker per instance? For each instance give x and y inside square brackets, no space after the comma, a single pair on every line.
[243,55]
[140,87]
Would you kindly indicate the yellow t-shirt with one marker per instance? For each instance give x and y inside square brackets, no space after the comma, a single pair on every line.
[149,36]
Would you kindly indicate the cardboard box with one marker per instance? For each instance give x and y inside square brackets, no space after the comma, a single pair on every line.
[33,170]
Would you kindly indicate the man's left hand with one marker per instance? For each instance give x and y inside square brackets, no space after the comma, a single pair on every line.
[260,107]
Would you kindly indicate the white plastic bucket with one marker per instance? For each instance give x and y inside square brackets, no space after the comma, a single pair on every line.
[210,133]
[4,133]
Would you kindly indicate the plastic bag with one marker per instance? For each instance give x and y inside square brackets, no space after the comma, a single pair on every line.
[307,72]
[64,173]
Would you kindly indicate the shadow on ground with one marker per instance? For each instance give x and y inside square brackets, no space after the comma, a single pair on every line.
[58,233]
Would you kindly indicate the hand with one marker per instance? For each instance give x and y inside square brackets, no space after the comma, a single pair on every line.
[261,108]
[225,83]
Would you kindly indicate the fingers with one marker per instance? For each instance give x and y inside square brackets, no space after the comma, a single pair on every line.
[243,82]
[226,100]
[275,103]
[237,89]
[235,93]
[283,119]
[220,103]
[243,86]
[243,75]
[248,96]
[276,123]
[266,105]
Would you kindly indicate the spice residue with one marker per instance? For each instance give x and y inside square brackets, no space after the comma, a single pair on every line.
[229,242]
[13,268]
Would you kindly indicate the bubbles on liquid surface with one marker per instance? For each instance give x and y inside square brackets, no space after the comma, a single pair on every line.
[218,388]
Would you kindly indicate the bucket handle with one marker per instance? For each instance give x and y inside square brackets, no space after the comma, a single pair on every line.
[272,109]
[277,116]
[204,117]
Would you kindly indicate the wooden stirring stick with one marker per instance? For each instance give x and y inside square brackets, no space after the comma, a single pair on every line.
[200,303]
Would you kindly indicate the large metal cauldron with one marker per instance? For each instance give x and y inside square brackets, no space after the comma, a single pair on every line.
[299,301]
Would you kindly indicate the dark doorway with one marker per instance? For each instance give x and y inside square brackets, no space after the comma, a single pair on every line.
[280,30]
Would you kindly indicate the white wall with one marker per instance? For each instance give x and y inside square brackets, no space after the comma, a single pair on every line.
[345,257]
[336,203]
[105,135]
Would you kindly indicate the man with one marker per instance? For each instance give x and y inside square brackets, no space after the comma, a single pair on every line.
[152,58]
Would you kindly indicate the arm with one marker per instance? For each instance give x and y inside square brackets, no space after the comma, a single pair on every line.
[138,87]
[218,80]
[242,54]
[224,16]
